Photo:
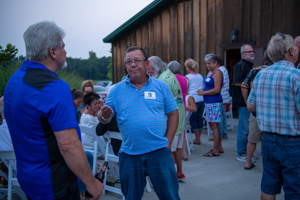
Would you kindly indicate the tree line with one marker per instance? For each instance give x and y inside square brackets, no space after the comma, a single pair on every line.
[78,69]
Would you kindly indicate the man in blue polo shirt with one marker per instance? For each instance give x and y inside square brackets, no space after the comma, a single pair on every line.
[147,116]
[41,118]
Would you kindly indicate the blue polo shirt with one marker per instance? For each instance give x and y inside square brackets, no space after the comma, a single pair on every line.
[38,103]
[141,114]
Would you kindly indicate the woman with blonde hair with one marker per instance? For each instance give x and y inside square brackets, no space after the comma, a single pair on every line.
[196,83]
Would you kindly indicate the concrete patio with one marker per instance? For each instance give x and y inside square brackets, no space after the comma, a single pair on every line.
[215,178]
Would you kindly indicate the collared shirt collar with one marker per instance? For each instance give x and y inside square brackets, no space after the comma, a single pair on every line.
[285,63]
[250,63]
[127,80]
[36,65]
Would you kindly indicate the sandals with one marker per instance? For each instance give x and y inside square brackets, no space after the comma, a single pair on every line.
[198,143]
[210,154]
[185,157]
[219,151]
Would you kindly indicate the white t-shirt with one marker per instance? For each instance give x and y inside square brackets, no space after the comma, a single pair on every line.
[225,88]
[5,141]
[88,140]
[196,83]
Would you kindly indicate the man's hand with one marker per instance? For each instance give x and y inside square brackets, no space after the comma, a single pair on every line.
[96,189]
[172,124]
[106,113]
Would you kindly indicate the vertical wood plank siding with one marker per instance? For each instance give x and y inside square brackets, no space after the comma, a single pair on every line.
[193,28]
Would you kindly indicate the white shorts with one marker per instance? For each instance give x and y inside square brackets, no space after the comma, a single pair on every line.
[177,142]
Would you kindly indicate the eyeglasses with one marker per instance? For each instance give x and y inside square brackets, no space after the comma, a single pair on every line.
[96,104]
[136,61]
[249,52]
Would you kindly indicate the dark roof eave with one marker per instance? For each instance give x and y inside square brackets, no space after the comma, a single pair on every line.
[136,20]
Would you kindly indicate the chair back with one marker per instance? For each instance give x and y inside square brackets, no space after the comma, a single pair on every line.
[91,130]
[7,157]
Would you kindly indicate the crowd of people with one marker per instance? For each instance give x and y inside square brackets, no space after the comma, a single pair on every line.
[149,107]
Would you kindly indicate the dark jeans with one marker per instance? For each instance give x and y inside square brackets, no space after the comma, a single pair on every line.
[281,164]
[196,119]
[158,165]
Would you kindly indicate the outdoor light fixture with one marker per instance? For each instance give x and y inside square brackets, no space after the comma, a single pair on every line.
[234,34]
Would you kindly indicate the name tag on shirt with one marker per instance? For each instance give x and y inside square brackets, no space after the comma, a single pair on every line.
[149,95]
[208,79]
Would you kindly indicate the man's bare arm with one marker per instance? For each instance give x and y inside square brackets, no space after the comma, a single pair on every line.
[245,93]
[73,154]
[238,84]
[172,124]
[250,107]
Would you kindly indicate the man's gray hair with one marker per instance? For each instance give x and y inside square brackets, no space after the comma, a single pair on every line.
[279,45]
[174,66]
[158,64]
[243,47]
[40,37]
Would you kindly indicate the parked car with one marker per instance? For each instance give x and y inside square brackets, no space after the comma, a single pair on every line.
[106,84]
[102,91]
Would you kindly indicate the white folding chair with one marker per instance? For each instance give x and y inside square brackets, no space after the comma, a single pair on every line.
[209,131]
[230,116]
[188,135]
[88,130]
[91,130]
[13,184]
[110,157]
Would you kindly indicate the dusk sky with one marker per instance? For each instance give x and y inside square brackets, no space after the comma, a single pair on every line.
[85,23]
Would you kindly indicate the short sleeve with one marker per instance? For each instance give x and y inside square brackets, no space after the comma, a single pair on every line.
[170,103]
[247,81]
[252,98]
[56,104]
[110,99]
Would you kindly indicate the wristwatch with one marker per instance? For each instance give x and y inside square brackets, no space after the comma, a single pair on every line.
[104,118]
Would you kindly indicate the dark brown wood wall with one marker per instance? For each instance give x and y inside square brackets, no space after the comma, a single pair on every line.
[194,28]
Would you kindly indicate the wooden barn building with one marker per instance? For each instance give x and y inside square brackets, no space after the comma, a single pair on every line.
[182,29]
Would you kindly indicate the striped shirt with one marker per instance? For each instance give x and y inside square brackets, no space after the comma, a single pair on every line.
[141,114]
[225,88]
[276,94]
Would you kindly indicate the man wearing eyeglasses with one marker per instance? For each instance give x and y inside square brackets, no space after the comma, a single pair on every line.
[147,116]
[275,96]
[241,70]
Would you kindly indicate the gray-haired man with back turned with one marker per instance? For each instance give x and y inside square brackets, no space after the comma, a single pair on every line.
[275,96]
[41,118]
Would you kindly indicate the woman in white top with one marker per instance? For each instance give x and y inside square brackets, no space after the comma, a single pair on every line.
[196,83]
[89,118]
[226,97]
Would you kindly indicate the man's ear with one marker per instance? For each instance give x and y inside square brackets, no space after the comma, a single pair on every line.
[52,53]
[292,52]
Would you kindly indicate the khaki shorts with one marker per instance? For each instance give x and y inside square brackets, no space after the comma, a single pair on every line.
[255,134]
[177,142]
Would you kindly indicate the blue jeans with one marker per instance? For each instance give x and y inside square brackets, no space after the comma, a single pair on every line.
[196,119]
[89,156]
[223,123]
[281,164]
[243,130]
[158,165]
